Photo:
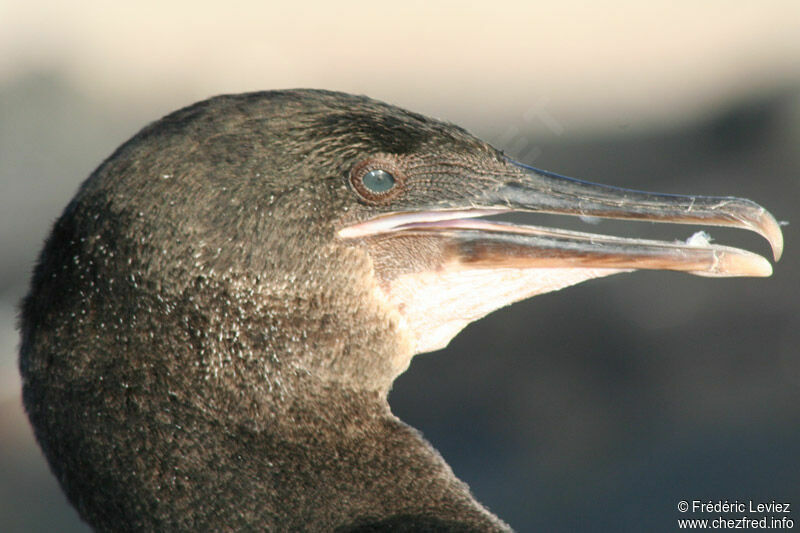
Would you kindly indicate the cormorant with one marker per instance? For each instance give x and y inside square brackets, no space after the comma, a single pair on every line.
[218,315]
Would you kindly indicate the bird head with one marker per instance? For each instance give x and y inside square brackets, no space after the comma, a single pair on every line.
[312,233]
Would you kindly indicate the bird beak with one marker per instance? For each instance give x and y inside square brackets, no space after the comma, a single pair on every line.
[490,244]
[441,267]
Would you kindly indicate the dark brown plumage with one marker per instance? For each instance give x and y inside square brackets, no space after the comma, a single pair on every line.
[206,347]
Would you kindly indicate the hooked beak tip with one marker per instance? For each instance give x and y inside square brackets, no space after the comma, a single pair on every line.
[771,230]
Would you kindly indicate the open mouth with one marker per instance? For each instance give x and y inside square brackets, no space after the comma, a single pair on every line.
[492,244]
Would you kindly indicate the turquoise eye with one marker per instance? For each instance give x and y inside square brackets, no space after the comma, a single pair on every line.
[378,181]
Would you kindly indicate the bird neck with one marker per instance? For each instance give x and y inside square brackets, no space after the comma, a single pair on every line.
[336,461]
[210,408]
[306,428]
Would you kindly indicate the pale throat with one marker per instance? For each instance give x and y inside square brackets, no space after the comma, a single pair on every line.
[435,305]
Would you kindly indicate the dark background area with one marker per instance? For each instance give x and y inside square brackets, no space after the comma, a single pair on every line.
[594,408]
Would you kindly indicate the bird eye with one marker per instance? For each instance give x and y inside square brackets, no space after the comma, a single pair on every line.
[377,180]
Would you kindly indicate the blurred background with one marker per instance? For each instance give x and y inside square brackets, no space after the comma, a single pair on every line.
[596,408]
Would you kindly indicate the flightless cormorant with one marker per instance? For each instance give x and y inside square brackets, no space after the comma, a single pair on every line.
[218,315]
